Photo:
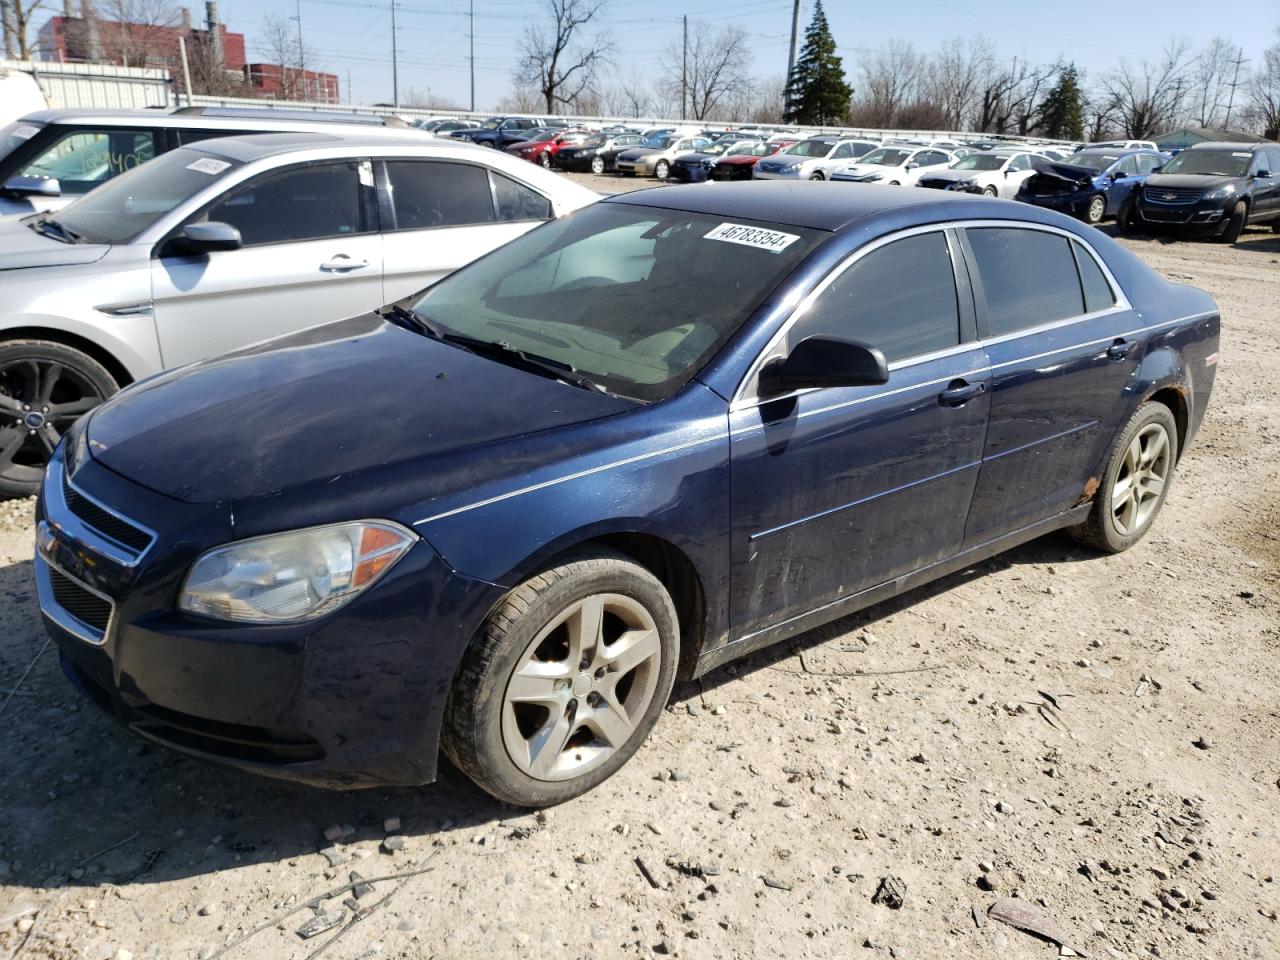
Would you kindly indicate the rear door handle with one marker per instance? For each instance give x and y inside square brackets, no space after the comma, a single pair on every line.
[1121,349]
[341,263]
[961,392]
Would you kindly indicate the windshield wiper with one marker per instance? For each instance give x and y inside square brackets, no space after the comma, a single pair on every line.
[494,349]
[48,227]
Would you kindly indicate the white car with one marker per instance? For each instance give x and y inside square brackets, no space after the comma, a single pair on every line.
[1120,145]
[814,159]
[895,166]
[992,173]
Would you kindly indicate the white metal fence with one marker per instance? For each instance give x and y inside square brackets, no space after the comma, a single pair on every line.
[81,86]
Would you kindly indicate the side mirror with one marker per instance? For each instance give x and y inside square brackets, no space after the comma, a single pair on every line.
[1157,169]
[33,187]
[1263,174]
[1119,175]
[825,362]
[208,237]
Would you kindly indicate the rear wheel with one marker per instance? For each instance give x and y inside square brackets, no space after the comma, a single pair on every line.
[988,191]
[597,165]
[544,158]
[817,175]
[564,681]
[1235,225]
[1135,482]
[661,169]
[1095,210]
[44,388]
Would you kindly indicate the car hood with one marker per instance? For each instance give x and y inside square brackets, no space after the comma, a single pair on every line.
[955,176]
[1066,172]
[343,399]
[866,169]
[1195,181]
[21,247]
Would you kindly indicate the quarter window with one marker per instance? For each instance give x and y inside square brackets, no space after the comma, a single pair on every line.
[300,203]
[1097,292]
[82,160]
[515,201]
[900,297]
[429,194]
[1029,277]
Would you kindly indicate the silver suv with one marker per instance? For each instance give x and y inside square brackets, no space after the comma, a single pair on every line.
[228,242]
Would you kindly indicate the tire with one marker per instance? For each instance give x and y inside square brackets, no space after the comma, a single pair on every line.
[661,169]
[817,175]
[1275,225]
[895,183]
[1126,218]
[544,158]
[1235,226]
[1095,211]
[597,165]
[494,740]
[489,143]
[989,191]
[44,388]
[1111,529]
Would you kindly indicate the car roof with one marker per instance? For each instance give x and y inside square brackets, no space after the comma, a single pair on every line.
[256,146]
[259,120]
[1224,145]
[816,206]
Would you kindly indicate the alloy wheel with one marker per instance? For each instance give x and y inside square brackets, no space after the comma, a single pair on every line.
[581,687]
[39,401]
[597,165]
[1097,209]
[1140,484]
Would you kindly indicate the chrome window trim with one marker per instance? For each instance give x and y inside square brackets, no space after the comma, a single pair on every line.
[50,608]
[742,400]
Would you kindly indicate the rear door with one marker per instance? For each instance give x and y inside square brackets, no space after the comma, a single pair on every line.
[440,215]
[1063,349]
[836,490]
[311,255]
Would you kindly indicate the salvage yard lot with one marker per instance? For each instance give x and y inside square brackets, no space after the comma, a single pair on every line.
[1097,735]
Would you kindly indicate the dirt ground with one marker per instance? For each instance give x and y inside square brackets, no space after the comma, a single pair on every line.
[1099,736]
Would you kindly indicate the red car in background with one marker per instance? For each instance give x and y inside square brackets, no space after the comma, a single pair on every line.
[546,144]
[739,166]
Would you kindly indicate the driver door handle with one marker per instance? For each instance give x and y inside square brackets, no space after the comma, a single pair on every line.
[1121,349]
[961,392]
[341,263]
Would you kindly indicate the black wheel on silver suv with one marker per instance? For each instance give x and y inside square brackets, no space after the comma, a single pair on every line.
[44,388]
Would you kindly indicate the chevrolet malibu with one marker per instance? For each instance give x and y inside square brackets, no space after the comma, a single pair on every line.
[501,517]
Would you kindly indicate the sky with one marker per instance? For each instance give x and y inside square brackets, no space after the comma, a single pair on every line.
[353,37]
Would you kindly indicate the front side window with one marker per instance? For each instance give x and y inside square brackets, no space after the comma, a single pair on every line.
[428,193]
[81,160]
[636,298]
[1129,166]
[307,202]
[1148,162]
[1021,162]
[1029,277]
[900,297]
[843,152]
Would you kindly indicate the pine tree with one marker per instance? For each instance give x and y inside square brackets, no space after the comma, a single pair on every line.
[1061,114]
[816,90]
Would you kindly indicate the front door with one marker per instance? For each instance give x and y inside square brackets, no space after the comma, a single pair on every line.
[1063,351]
[311,255]
[836,490]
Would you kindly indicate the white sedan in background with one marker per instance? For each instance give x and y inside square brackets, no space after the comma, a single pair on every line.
[814,159]
[895,166]
[992,173]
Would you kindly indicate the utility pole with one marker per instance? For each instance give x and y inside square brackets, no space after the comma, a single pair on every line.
[472,37]
[395,65]
[302,55]
[791,57]
[684,69]
[186,67]
[1240,58]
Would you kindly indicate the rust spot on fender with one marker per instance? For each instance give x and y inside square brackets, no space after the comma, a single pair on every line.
[1090,488]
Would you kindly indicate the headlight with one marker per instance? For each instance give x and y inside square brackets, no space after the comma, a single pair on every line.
[1222,192]
[871,177]
[299,575]
[789,168]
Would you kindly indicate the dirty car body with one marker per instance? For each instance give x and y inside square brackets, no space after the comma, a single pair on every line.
[764,511]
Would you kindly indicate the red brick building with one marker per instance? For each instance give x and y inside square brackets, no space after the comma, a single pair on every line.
[289,83]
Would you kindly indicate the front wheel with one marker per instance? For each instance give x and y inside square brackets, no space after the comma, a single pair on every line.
[1235,226]
[564,681]
[988,191]
[1135,482]
[544,158]
[661,169]
[1095,210]
[817,175]
[44,388]
[597,165]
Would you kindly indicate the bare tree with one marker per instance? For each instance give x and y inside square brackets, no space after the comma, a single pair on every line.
[556,58]
[520,100]
[1008,99]
[890,78]
[140,34]
[209,74]
[1149,98]
[1264,92]
[628,98]
[1101,118]
[954,75]
[16,17]
[765,103]
[715,70]
[278,43]
[1212,74]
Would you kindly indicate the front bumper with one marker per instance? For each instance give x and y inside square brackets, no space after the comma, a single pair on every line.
[636,168]
[685,173]
[1070,203]
[731,171]
[958,186]
[758,174]
[355,698]
[1197,216]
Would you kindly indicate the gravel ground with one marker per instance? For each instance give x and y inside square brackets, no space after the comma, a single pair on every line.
[1097,736]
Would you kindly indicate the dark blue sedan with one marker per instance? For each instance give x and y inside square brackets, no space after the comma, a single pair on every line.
[503,516]
[1091,184]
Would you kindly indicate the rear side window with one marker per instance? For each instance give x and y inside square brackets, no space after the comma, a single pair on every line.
[1029,277]
[429,194]
[900,298]
[1098,294]
[299,203]
[515,201]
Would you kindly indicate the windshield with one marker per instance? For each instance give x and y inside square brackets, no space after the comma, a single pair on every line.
[122,208]
[749,148]
[491,124]
[885,157]
[15,135]
[543,135]
[809,148]
[1094,161]
[660,142]
[635,298]
[1216,163]
[980,161]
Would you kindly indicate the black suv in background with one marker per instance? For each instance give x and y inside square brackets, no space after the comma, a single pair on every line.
[1212,188]
[501,132]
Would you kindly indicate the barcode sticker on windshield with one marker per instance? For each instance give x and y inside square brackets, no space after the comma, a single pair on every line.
[208,165]
[25,132]
[771,240]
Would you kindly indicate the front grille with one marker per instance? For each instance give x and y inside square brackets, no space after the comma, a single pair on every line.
[1171,194]
[231,740]
[103,521]
[1166,216]
[80,602]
